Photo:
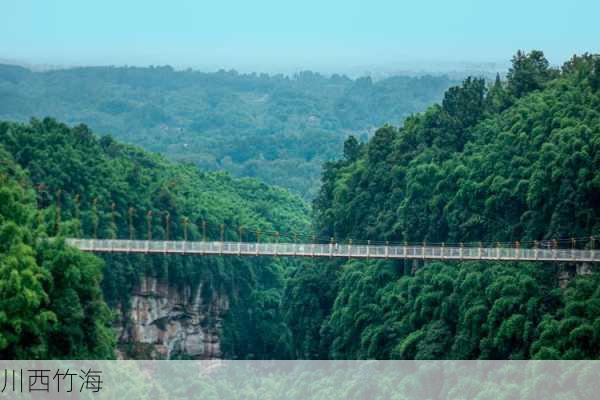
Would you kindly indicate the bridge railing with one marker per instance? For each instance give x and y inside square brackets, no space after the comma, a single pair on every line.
[335,250]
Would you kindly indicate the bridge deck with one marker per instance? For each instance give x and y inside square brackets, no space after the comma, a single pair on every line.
[334,250]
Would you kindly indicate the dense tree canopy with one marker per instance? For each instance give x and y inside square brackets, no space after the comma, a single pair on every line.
[273,127]
[513,161]
[50,299]
[85,176]
[493,162]
[462,172]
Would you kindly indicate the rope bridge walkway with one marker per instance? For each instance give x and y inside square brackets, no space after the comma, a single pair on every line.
[334,250]
[120,220]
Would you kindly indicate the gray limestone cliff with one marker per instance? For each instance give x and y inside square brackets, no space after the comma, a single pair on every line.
[166,322]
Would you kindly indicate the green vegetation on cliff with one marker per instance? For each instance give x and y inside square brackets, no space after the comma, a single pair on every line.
[501,162]
[51,304]
[101,172]
[515,160]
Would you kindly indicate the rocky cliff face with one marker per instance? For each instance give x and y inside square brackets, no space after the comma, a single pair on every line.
[166,322]
[569,272]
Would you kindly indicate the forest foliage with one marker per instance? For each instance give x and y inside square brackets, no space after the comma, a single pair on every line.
[71,173]
[512,160]
[276,128]
[504,161]
[51,305]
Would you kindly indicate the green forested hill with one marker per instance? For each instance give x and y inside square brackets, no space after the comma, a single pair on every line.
[515,160]
[51,304]
[54,297]
[518,160]
[276,128]
[493,164]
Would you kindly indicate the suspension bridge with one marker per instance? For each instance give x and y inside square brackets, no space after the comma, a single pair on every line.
[308,246]
[408,252]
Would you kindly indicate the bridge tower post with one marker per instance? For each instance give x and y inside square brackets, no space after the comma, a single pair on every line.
[167,225]
[95,215]
[113,220]
[535,249]
[312,247]
[185,233]
[149,225]
[130,212]
[295,245]
[77,215]
[573,246]
[368,249]
[276,243]
[387,249]
[593,251]
[222,227]
[461,251]
[517,248]
[405,249]
[479,250]
[331,247]
[497,250]
[257,241]
[349,248]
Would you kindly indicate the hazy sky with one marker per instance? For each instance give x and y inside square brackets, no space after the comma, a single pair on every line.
[278,34]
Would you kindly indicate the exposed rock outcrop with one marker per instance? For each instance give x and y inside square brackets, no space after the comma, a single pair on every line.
[571,271]
[164,322]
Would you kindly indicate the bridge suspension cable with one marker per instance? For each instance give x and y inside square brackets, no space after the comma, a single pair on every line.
[265,234]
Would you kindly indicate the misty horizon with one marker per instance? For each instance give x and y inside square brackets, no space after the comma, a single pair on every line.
[408,68]
[354,38]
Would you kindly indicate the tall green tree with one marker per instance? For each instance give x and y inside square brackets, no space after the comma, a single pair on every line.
[529,72]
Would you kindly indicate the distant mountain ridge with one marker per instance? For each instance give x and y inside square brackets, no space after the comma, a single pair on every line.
[277,128]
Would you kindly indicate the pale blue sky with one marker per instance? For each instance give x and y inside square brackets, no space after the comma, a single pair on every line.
[278,34]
